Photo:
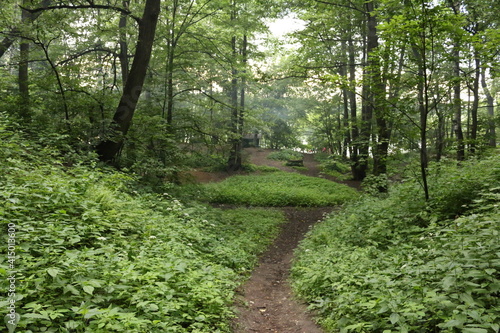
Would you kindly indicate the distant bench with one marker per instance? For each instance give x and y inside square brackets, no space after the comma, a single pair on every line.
[295,162]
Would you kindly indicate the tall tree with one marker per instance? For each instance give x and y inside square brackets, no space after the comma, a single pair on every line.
[109,148]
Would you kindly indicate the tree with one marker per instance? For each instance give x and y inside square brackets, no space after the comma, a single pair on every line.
[111,145]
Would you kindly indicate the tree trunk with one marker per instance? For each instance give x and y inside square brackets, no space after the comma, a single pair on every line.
[490,104]
[475,104]
[354,152]
[345,98]
[457,106]
[366,124]
[123,55]
[234,162]
[23,76]
[109,149]
[377,95]
[423,107]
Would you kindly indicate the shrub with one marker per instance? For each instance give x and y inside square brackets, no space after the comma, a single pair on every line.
[95,255]
[401,264]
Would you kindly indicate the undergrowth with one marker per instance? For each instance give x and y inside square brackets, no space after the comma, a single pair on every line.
[334,166]
[400,264]
[278,189]
[93,253]
[285,155]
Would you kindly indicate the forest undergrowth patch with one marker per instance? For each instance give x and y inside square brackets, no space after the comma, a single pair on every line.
[95,253]
[278,189]
[400,264]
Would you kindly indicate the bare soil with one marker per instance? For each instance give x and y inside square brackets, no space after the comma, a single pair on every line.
[265,303]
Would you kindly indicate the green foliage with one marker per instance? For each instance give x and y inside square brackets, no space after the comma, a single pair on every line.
[334,166]
[373,184]
[259,168]
[285,154]
[94,255]
[279,189]
[399,264]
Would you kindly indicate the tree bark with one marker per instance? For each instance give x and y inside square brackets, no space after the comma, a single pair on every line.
[123,44]
[354,152]
[475,103]
[111,146]
[23,76]
[490,104]
[377,92]
[366,124]
[457,106]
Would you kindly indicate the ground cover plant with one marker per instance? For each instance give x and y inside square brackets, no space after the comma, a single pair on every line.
[285,155]
[96,254]
[400,264]
[279,189]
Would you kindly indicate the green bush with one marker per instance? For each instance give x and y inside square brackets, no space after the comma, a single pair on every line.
[400,264]
[334,165]
[95,255]
[285,155]
[278,189]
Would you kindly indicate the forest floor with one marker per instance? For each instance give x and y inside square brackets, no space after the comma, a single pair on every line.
[265,303]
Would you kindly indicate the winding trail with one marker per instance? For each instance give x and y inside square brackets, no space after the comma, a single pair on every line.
[265,302]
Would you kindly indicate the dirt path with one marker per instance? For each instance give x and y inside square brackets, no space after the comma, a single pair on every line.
[265,302]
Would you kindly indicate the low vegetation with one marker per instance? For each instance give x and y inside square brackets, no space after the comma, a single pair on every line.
[278,189]
[334,166]
[95,253]
[285,155]
[400,264]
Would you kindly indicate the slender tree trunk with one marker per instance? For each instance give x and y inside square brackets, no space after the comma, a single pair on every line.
[457,106]
[234,162]
[354,152]
[23,76]
[490,104]
[123,55]
[171,45]
[377,95]
[345,98]
[441,128]
[475,103]
[111,146]
[241,116]
[366,123]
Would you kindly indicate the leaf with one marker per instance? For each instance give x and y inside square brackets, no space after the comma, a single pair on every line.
[448,282]
[71,289]
[53,271]
[474,330]
[467,298]
[11,323]
[394,318]
[88,289]
[452,323]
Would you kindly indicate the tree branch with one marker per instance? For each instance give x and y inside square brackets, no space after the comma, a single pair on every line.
[91,6]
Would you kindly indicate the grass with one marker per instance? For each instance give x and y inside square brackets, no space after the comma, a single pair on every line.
[278,189]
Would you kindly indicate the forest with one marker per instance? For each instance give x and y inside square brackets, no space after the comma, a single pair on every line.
[112,110]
